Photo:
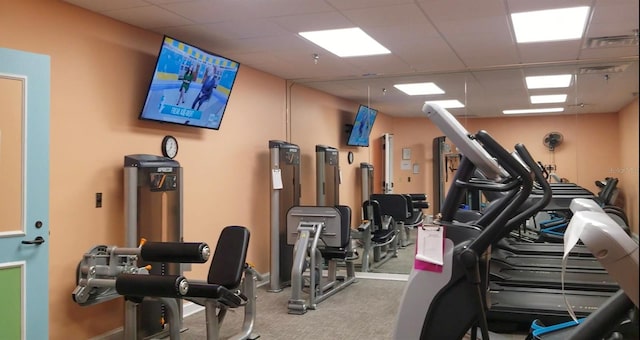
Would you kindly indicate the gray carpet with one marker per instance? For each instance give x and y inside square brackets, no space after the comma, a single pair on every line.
[403,263]
[364,310]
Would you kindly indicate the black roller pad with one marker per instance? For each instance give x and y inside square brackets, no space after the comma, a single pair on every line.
[174,252]
[142,285]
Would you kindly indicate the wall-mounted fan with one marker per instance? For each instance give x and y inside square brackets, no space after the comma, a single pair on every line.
[552,139]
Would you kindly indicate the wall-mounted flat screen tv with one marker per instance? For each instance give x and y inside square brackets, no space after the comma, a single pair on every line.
[359,135]
[190,86]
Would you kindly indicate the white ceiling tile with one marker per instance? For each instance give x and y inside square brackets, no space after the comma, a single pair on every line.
[427,55]
[205,11]
[351,4]
[245,29]
[276,8]
[313,22]
[107,5]
[380,64]
[148,17]
[386,16]
[451,10]
[540,52]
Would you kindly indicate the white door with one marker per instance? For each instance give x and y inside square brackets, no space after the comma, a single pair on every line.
[24,196]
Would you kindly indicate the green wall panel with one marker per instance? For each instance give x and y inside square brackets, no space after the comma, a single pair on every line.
[10,297]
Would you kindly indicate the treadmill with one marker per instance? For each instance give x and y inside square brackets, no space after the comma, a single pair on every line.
[525,278]
[576,279]
[544,261]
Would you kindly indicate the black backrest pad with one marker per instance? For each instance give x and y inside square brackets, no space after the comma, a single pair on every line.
[345,224]
[229,257]
[394,205]
[375,211]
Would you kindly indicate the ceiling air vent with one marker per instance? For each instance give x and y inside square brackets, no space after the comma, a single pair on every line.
[603,69]
[613,41]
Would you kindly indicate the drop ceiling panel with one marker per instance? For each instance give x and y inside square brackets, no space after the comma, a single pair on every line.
[204,12]
[408,14]
[107,5]
[257,28]
[427,55]
[278,8]
[380,64]
[148,17]
[313,22]
[461,10]
[437,40]
[541,52]
[471,43]
[352,4]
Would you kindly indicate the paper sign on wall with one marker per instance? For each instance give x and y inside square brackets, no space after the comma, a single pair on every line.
[405,165]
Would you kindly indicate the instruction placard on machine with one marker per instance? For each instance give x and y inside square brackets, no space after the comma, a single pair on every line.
[276,179]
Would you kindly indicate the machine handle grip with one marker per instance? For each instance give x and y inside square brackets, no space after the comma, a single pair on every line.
[175,252]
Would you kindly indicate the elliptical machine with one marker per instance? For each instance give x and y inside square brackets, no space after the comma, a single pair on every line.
[432,300]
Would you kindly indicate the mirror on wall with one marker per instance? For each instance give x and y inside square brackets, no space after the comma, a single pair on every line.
[599,87]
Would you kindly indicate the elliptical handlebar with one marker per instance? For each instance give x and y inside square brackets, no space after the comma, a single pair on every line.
[526,157]
[510,206]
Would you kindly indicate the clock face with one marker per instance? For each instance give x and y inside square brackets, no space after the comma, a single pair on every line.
[169,146]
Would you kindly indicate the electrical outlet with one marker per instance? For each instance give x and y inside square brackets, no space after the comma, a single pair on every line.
[98,200]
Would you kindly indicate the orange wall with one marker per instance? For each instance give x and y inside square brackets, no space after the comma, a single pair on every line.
[585,155]
[627,169]
[319,119]
[100,71]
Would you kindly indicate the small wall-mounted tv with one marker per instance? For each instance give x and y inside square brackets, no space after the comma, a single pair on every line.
[190,86]
[359,135]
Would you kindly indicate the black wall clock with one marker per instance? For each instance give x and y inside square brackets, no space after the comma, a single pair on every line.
[169,146]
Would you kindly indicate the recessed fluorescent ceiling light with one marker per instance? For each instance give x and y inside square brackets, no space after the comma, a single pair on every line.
[417,89]
[515,112]
[550,25]
[447,104]
[346,42]
[548,82]
[550,98]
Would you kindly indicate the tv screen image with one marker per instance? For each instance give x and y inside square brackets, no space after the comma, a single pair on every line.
[190,86]
[362,125]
